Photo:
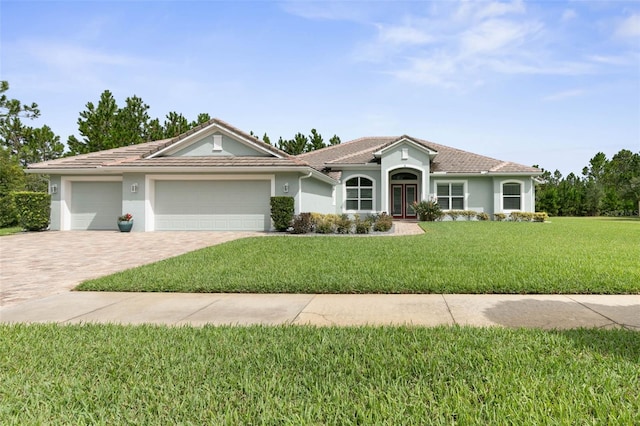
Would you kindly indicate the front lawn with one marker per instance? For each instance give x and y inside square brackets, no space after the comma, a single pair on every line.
[568,255]
[10,231]
[107,374]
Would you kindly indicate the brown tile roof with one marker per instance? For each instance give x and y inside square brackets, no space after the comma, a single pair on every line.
[447,159]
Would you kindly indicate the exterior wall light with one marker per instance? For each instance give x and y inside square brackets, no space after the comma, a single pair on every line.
[285,187]
[53,189]
[134,187]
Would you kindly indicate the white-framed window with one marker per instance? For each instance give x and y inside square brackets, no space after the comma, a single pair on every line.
[450,195]
[512,196]
[359,194]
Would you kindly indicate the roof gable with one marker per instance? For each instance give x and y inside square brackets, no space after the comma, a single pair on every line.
[217,138]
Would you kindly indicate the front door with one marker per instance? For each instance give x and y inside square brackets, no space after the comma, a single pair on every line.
[403,195]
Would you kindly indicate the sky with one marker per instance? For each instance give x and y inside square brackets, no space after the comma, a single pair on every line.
[550,83]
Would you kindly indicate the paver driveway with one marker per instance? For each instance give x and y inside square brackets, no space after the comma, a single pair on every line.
[37,264]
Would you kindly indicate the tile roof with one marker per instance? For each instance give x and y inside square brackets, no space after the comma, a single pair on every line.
[328,160]
[450,160]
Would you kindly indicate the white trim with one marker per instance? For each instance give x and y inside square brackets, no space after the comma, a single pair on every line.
[423,186]
[373,194]
[150,189]
[519,182]
[66,192]
[420,147]
[465,189]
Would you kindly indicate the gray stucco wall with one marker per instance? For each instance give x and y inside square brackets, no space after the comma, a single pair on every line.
[230,147]
[55,215]
[316,196]
[134,202]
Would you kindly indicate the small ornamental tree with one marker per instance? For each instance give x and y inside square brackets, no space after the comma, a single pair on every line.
[428,210]
[282,212]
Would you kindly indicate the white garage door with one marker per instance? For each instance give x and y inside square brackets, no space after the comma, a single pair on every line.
[212,205]
[95,205]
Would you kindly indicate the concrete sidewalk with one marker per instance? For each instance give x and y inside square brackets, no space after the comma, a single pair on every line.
[535,311]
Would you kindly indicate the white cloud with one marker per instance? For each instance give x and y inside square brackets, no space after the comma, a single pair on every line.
[569,15]
[403,35]
[564,95]
[629,27]
[496,34]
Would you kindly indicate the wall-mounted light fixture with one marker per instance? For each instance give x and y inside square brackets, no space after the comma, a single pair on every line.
[53,189]
[285,187]
[134,187]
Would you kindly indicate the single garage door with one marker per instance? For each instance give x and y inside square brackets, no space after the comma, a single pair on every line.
[95,205]
[212,205]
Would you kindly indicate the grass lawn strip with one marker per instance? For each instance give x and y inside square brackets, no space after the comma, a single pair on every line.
[108,374]
[568,255]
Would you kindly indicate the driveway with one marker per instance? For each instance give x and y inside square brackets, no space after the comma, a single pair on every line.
[38,264]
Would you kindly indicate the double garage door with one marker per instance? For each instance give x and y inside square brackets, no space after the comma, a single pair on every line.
[220,205]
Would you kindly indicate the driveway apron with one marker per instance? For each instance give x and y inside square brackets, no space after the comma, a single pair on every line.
[34,265]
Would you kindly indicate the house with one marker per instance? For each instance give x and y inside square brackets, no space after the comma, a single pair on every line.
[217,177]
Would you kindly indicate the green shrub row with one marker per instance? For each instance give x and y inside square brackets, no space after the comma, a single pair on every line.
[522,217]
[8,211]
[305,223]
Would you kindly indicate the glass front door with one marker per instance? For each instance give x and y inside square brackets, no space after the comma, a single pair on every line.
[402,197]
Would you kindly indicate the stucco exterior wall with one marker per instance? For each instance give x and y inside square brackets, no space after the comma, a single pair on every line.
[54,217]
[316,196]
[230,147]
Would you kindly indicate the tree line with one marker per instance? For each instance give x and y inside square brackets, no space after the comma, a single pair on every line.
[606,187]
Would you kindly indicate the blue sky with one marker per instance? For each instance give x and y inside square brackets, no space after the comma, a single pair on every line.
[541,82]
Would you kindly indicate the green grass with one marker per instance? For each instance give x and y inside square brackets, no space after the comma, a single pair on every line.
[582,255]
[10,231]
[107,374]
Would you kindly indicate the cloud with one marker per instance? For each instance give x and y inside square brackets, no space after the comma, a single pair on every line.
[497,34]
[569,15]
[629,27]
[564,95]
[403,35]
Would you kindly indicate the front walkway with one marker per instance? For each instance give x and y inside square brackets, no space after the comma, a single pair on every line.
[533,311]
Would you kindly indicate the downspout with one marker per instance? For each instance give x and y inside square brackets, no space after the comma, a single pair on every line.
[300,190]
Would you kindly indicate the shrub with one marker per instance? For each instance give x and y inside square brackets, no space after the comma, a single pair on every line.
[499,216]
[521,216]
[482,216]
[282,212]
[540,217]
[469,214]
[427,210]
[362,226]
[454,214]
[382,223]
[8,211]
[302,224]
[324,223]
[33,209]
[343,224]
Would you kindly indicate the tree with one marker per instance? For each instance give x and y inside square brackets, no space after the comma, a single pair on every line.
[97,125]
[266,139]
[315,141]
[12,131]
[175,124]
[203,117]
[294,146]
[132,123]
[335,140]
[41,144]
[594,186]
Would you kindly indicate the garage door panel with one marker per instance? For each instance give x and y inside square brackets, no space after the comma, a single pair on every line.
[212,205]
[95,205]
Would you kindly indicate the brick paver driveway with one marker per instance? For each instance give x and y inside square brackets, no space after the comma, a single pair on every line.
[38,264]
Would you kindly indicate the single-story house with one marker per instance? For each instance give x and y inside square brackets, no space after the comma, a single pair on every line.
[217,177]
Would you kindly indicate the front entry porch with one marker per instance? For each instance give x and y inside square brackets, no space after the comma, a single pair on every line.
[404,192]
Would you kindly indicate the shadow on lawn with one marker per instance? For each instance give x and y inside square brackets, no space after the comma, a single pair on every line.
[617,331]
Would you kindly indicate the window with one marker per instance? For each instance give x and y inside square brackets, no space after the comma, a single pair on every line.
[450,196]
[511,196]
[359,194]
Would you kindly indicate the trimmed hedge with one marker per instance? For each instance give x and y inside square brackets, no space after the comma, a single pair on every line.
[8,211]
[34,209]
[282,210]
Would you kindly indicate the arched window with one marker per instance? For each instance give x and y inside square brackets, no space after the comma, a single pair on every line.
[511,196]
[359,194]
